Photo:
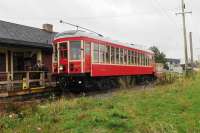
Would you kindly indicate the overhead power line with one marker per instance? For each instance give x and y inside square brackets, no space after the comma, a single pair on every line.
[165,13]
[80,27]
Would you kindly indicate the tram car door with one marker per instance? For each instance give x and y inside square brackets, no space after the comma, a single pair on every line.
[87,60]
[76,56]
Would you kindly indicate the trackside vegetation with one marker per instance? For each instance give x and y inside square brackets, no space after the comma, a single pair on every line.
[172,108]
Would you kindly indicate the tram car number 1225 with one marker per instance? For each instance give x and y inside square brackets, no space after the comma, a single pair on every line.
[85,60]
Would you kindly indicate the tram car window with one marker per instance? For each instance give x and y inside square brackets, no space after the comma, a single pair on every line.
[117,56]
[129,57]
[96,53]
[133,57]
[102,53]
[87,49]
[136,58]
[125,56]
[75,50]
[63,50]
[112,55]
[108,54]
[121,56]
[142,59]
[139,59]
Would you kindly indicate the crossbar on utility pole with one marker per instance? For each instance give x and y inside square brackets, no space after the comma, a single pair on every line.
[184,33]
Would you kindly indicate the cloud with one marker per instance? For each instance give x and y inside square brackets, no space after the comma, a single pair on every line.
[146,22]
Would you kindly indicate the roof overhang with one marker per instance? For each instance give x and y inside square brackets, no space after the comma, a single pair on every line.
[17,43]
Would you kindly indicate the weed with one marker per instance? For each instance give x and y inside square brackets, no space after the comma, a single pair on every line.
[168,108]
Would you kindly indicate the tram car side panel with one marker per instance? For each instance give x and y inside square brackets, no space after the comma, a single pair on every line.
[110,59]
[117,70]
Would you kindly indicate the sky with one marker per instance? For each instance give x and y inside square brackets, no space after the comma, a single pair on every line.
[143,22]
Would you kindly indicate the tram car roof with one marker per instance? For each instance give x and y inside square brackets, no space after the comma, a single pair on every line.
[81,33]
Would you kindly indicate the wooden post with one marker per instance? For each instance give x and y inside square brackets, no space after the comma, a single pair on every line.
[11,74]
[27,80]
[11,63]
[6,61]
[42,78]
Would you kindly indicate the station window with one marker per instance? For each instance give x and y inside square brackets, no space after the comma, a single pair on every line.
[102,53]
[112,55]
[108,54]
[75,50]
[96,53]
[121,56]
[117,56]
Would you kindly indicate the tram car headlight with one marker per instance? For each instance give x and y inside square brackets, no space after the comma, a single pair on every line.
[61,68]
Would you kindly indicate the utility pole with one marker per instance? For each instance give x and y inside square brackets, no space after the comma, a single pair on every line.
[191,50]
[184,33]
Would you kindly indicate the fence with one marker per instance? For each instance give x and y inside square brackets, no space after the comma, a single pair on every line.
[168,77]
[24,80]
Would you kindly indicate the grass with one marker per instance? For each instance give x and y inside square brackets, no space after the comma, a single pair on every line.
[173,108]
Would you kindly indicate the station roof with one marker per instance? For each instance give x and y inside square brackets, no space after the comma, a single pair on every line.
[21,35]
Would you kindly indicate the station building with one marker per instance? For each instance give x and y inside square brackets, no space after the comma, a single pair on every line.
[24,50]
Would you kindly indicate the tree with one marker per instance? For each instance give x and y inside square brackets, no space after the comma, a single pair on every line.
[160,57]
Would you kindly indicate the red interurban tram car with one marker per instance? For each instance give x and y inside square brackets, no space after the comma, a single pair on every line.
[88,60]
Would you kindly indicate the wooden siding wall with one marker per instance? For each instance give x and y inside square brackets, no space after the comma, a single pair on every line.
[47,60]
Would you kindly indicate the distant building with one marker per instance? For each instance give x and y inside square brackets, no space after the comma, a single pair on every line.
[174,65]
[173,61]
